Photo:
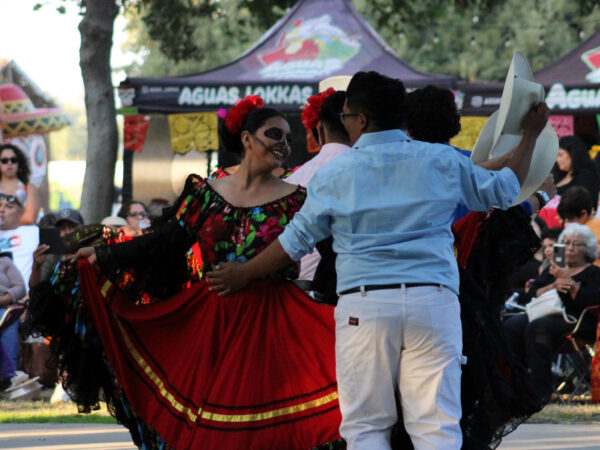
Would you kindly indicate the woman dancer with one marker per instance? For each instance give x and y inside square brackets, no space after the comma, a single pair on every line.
[189,369]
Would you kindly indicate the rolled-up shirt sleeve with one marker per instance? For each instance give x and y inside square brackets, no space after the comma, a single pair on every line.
[311,224]
[482,189]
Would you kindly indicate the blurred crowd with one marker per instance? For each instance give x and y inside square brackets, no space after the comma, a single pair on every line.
[30,250]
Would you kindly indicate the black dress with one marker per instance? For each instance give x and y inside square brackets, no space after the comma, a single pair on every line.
[586,179]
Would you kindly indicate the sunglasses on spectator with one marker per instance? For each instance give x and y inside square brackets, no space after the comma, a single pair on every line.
[11,199]
[141,215]
[12,160]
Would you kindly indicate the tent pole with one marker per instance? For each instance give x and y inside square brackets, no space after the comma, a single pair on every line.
[127,175]
[209,154]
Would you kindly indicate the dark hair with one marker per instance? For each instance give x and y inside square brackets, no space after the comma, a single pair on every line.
[551,233]
[253,121]
[329,115]
[431,114]
[573,201]
[23,172]
[127,206]
[540,223]
[580,157]
[379,97]
[48,220]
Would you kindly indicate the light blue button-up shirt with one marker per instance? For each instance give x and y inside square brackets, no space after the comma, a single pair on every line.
[389,204]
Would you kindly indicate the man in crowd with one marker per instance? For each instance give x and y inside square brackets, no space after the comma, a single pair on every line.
[389,204]
[20,241]
[67,221]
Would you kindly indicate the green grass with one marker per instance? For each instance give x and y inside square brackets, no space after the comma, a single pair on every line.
[567,414]
[42,411]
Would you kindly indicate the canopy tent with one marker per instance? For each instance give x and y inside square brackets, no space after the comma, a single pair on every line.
[572,84]
[314,40]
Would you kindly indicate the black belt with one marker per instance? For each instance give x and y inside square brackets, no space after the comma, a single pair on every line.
[375,287]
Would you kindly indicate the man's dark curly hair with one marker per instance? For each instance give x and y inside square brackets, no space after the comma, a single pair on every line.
[379,97]
[431,114]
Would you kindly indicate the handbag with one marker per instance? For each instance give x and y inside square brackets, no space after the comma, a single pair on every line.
[547,304]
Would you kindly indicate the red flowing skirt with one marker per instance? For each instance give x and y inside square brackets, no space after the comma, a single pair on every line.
[254,370]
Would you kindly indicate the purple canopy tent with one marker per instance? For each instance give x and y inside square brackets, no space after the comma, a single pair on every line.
[314,40]
[572,84]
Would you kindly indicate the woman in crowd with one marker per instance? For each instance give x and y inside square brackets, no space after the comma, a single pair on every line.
[190,369]
[14,179]
[575,168]
[136,215]
[12,289]
[578,286]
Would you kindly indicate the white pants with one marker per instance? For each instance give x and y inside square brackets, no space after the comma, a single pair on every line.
[399,340]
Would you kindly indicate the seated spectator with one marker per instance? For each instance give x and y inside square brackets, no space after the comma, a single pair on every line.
[67,221]
[549,238]
[12,289]
[529,269]
[577,284]
[21,241]
[575,168]
[576,206]
[14,179]
[136,215]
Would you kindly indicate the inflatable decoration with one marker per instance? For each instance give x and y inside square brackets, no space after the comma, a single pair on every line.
[19,117]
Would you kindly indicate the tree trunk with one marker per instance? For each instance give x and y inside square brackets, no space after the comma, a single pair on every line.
[96,30]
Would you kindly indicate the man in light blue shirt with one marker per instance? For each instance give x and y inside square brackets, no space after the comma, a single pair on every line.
[389,204]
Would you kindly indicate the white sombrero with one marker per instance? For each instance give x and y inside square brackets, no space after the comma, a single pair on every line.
[339,83]
[502,132]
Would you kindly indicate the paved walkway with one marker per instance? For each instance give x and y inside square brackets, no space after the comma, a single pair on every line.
[115,437]
[550,436]
[55,436]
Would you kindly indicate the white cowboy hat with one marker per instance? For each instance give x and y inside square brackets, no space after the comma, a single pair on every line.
[502,131]
[339,83]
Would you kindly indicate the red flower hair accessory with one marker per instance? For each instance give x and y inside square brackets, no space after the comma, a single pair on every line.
[237,114]
[310,112]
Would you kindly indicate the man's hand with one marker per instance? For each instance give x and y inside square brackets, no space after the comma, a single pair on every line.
[39,255]
[536,119]
[228,278]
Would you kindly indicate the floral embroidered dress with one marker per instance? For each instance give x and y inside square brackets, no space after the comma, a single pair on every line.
[182,367]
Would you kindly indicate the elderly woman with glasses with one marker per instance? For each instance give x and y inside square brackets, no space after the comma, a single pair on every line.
[578,286]
[14,180]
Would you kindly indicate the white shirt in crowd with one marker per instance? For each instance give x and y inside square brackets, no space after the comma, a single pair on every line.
[22,242]
[308,264]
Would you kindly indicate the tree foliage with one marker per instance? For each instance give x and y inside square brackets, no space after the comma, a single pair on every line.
[468,39]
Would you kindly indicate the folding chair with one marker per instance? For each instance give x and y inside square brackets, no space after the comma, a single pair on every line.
[572,365]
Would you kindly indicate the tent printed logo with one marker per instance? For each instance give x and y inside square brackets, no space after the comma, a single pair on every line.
[591,58]
[311,48]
